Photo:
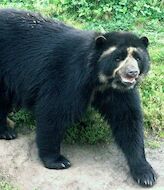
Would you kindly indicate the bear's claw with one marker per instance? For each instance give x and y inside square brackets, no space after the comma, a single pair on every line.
[8,134]
[145,176]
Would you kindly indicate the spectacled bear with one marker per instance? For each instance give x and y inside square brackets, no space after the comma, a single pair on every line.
[57,71]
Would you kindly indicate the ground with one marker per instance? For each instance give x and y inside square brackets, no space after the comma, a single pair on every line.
[94,167]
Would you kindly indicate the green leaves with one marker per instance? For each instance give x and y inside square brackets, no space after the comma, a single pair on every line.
[92,10]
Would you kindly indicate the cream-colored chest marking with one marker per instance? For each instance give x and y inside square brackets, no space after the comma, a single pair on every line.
[102,78]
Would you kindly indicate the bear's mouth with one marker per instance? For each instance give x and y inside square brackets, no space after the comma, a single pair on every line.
[124,83]
[120,81]
[128,81]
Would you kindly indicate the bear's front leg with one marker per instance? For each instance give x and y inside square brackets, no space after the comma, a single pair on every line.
[51,127]
[123,112]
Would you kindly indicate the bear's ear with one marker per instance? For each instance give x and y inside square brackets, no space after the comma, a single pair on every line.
[100,40]
[145,41]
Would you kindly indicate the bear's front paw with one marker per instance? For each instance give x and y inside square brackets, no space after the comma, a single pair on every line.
[53,162]
[8,134]
[144,175]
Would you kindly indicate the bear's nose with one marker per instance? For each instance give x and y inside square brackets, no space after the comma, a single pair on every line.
[132,73]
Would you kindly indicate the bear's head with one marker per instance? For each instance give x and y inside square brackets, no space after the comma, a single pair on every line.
[124,59]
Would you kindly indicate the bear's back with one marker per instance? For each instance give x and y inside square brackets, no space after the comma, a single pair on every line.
[35,50]
[28,20]
[29,28]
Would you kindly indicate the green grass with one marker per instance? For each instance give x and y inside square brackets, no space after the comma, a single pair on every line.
[149,23]
[153,144]
[152,89]
[6,186]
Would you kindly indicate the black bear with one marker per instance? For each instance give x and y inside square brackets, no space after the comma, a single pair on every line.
[56,71]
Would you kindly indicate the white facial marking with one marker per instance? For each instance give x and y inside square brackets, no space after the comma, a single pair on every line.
[139,50]
[127,60]
[122,63]
[131,50]
[108,51]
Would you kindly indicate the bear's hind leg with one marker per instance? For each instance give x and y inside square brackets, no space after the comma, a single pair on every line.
[48,140]
[5,132]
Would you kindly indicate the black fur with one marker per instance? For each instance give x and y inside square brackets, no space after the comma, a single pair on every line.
[52,70]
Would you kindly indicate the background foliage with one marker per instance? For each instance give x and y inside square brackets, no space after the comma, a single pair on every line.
[97,9]
[144,17]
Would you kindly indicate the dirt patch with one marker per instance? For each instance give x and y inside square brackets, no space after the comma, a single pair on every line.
[98,167]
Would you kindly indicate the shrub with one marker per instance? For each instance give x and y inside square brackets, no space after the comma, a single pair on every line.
[92,10]
[91,129]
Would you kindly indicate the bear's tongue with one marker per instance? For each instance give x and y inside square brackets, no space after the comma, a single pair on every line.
[128,79]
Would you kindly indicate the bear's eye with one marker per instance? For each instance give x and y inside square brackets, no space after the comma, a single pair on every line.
[121,55]
[138,58]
